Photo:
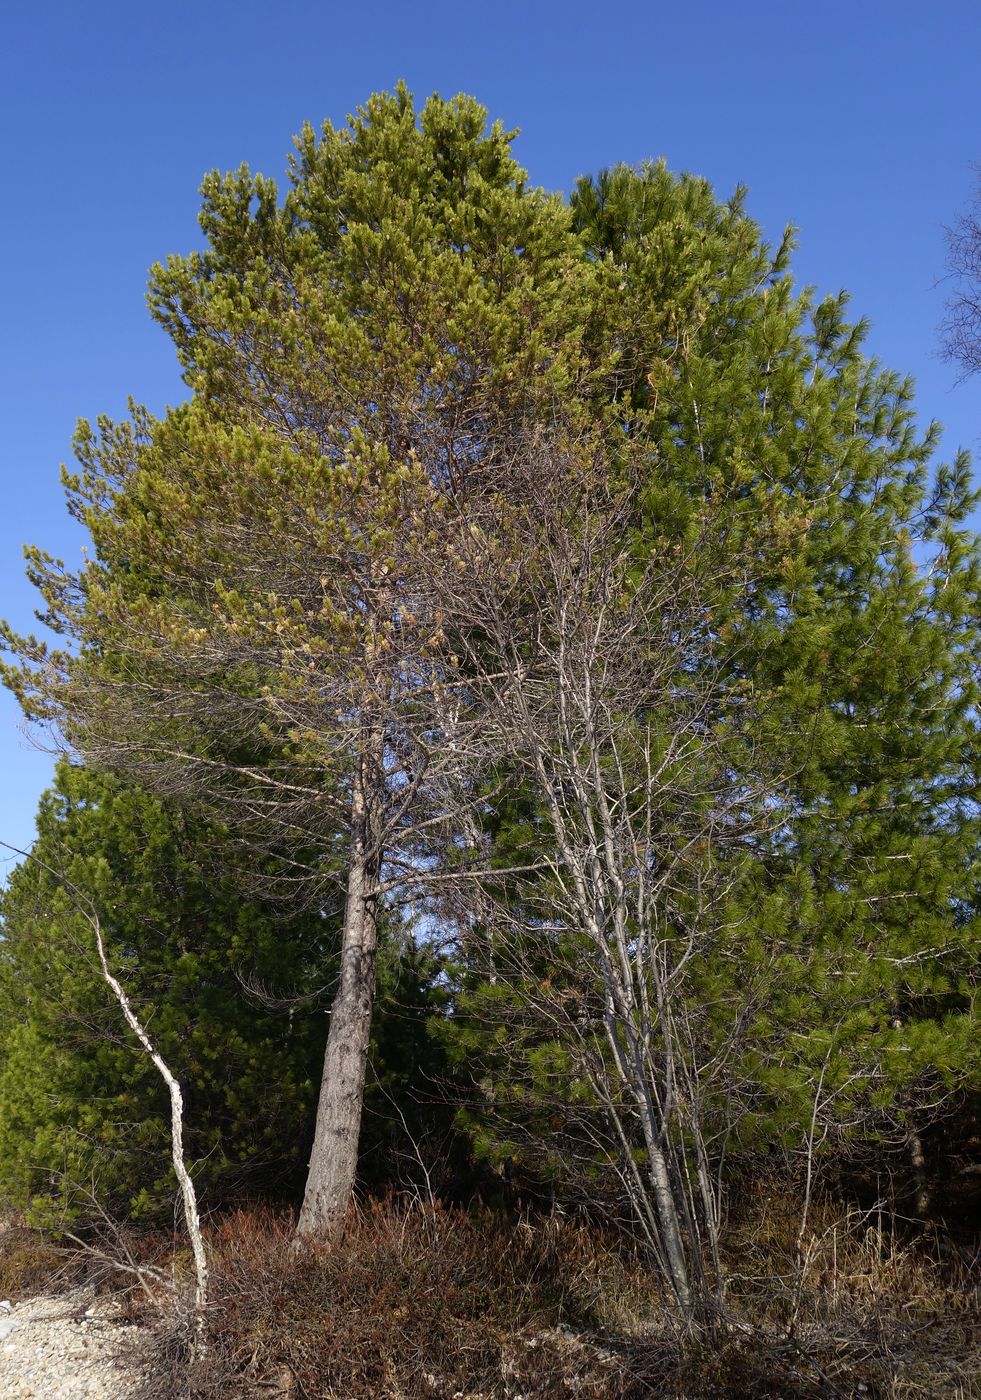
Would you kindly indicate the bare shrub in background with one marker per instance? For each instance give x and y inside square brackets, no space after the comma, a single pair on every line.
[961,329]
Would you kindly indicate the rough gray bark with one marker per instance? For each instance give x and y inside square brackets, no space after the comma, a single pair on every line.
[334,1156]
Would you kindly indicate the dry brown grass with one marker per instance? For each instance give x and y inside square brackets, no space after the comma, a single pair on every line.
[422,1303]
[864,1299]
[411,1302]
[30,1264]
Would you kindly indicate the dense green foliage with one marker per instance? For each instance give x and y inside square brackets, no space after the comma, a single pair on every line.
[81,1107]
[843,618]
[232,990]
[859,648]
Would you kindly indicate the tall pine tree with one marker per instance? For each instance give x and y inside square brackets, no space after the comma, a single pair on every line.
[260,620]
[842,968]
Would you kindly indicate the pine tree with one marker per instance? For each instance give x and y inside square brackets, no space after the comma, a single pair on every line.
[260,619]
[832,969]
[445,437]
[857,648]
[234,989]
[83,1114]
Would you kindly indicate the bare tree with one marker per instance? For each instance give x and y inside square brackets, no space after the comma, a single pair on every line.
[961,328]
[616,695]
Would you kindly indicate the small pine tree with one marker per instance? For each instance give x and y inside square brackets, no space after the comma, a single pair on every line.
[83,1117]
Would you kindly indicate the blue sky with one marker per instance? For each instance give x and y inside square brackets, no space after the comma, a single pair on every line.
[858,122]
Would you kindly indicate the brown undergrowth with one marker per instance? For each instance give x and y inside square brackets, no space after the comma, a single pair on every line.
[417,1303]
[32,1262]
[414,1301]
[870,1304]
[424,1303]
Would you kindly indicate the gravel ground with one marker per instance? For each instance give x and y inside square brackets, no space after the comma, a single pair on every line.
[72,1347]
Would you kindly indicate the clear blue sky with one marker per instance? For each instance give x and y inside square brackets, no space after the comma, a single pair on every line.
[858,122]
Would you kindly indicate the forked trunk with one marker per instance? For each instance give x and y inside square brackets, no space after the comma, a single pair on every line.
[334,1158]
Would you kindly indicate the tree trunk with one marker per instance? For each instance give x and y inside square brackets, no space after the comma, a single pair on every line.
[334,1158]
[673,1243]
[918,1163]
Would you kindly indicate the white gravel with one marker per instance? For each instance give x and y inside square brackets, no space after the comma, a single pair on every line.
[73,1347]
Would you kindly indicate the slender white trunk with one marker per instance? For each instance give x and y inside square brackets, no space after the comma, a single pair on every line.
[189,1198]
[674,1248]
[659,1174]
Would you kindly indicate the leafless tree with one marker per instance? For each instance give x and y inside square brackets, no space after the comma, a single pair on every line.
[611,683]
[961,328]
